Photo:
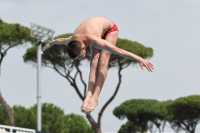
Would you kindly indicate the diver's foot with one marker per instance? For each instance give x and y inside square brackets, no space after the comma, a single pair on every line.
[85,103]
[90,106]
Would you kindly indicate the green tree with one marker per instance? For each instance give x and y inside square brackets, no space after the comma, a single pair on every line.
[57,59]
[3,116]
[52,118]
[24,117]
[77,124]
[162,114]
[141,112]
[184,113]
[11,35]
[129,127]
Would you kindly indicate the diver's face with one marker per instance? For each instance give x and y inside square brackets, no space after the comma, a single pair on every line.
[81,55]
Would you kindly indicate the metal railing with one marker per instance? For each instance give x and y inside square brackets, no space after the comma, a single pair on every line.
[11,129]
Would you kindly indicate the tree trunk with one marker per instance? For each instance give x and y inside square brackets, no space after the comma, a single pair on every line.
[98,130]
[96,127]
[7,110]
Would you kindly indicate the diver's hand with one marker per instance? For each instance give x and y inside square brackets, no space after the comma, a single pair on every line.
[147,64]
[47,46]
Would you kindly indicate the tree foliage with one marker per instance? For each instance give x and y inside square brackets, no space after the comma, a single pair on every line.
[160,109]
[77,124]
[11,35]
[138,111]
[24,117]
[3,116]
[53,119]
[129,127]
[185,113]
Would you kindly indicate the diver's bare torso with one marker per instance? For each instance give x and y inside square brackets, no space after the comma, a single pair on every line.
[93,26]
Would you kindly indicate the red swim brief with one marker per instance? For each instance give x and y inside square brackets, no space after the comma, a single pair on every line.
[114,28]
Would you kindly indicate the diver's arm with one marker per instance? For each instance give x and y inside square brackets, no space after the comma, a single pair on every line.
[58,41]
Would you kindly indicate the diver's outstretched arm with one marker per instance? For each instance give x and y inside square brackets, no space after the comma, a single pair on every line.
[59,41]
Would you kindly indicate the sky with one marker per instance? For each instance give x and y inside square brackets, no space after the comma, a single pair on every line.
[170,27]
